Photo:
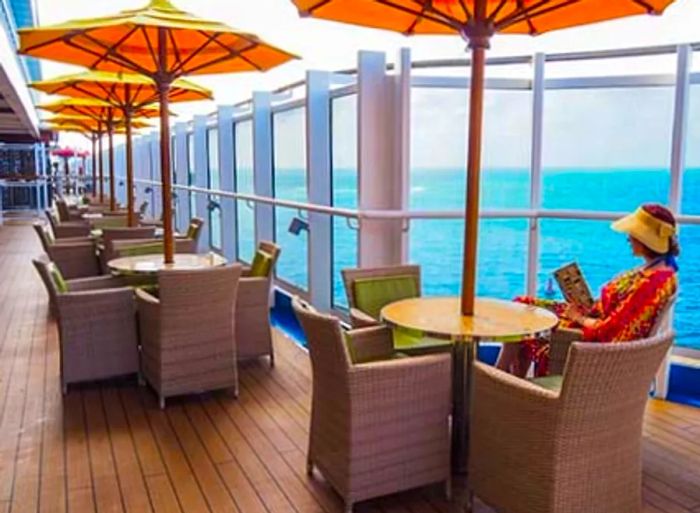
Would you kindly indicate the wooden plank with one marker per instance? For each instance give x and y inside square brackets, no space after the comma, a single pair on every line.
[144,440]
[76,446]
[162,495]
[81,500]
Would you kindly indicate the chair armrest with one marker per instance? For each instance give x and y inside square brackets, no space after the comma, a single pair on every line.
[380,390]
[253,291]
[360,319]
[245,271]
[76,260]
[93,305]
[561,341]
[96,283]
[373,343]
[146,299]
[70,229]
[148,308]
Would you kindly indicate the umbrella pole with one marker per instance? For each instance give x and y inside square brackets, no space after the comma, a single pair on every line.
[101,163]
[129,169]
[66,172]
[164,83]
[93,137]
[478,45]
[110,138]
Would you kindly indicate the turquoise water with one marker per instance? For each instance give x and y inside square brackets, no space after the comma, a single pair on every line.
[437,244]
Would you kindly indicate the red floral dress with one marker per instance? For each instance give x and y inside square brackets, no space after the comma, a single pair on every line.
[627,310]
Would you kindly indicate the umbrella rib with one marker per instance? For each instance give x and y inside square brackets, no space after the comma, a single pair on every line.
[497,10]
[178,57]
[196,52]
[411,28]
[320,4]
[532,12]
[439,18]
[150,47]
[115,58]
[521,6]
[650,9]
[111,49]
[239,53]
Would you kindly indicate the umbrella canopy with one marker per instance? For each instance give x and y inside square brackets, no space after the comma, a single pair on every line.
[64,152]
[89,124]
[161,42]
[96,109]
[475,21]
[131,94]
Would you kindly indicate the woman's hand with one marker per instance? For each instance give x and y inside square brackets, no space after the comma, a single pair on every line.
[575,314]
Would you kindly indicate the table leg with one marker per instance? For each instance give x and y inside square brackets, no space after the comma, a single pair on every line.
[464,355]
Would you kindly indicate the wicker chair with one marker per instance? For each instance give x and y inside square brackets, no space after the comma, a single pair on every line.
[576,449]
[109,235]
[64,213]
[74,257]
[253,331]
[97,327]
[67,230]
[178,356]
[366,437]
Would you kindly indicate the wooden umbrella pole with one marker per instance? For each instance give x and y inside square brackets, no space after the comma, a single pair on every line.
[110,139]
[100,162]
[164,84]
[478,36]
[93,137]
[129,168]
[66,172]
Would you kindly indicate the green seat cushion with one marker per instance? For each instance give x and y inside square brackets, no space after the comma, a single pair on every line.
[549,382]
[262,264]
[373,294]
[152,248]
[354,359]
[192,230]
[407,339]
[58,279]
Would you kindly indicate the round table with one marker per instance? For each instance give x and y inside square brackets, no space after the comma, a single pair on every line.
[92,215]
[493,320]
[152,264]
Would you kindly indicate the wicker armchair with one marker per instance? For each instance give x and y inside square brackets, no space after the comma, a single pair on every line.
[74,257]
[97,327]
[253,331]
[178,356]
[67,230]
[366,437]
[576,449]
[109,235]
[64,212]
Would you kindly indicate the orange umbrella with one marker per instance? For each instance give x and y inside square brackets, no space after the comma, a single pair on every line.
[476,21]
[160,42]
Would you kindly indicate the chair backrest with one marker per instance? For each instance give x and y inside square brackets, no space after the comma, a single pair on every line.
[51,217]
[110,222]
[606,386]
[137,247]
[192,299]
[351,276]
[664,317]
[44,238]
[63,212]
[330,359]
[42,265]
[137,232]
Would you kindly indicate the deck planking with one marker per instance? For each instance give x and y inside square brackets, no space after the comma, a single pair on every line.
[108,448]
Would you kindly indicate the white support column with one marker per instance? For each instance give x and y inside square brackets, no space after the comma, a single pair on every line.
[227,170]
[380,188]
[120,173]
[680,125]
[538,69]
[154,148]
[262,165]
[201,172]
[318,144]
[402,116]
[180,167]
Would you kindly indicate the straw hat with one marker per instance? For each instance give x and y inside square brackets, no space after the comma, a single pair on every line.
[651,231]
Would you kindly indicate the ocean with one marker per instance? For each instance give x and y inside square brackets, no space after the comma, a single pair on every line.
[436,244]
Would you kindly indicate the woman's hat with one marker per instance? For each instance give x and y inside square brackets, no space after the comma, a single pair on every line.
[651,231]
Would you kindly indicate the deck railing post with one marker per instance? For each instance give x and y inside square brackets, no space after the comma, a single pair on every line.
[262,165]
[201,178]
[229,235]
[181,176]
[154,151]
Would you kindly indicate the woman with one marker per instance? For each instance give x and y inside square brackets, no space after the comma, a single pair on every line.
[629,304]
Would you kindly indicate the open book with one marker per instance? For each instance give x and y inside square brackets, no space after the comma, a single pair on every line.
[574,286]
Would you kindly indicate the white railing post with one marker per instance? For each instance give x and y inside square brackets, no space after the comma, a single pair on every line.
[538,69]
[157,195]
[262,165]
[379,183]
[318,144]
[680,126]
[180,169]
[201,178]
[229,235]
[402,132]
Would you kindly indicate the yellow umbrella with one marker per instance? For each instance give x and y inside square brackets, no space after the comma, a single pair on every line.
[476,21]
[160,42]
[129,93]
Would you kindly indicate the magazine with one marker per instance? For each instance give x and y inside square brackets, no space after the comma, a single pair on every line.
[574,286]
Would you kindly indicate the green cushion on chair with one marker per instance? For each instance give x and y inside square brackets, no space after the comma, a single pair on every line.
[354,359]
[407,339]
[58,279]
[552,383]
[142,249]
[262,263]
[192,230]
[373,294]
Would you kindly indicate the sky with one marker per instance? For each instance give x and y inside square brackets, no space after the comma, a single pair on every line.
[331,46]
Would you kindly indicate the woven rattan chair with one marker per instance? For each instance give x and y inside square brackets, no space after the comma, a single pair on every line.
[74,257]
[66,230]
[574,449]
[253,330]
[378,427]
[97,327]
[187,334]
[64,213]
[109,235]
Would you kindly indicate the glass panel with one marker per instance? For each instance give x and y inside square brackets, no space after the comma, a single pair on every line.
[438,149]
[606,149]
[191,170]
[344,170]
[289,146]
[600,252]
[245,213]
[437,247]
[686,317]
[691,178]
[214,182]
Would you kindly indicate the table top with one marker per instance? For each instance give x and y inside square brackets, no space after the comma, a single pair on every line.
[493,319]
[92,215]
[152,264]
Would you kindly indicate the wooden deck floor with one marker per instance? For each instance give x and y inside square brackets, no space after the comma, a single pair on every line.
[110,449]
